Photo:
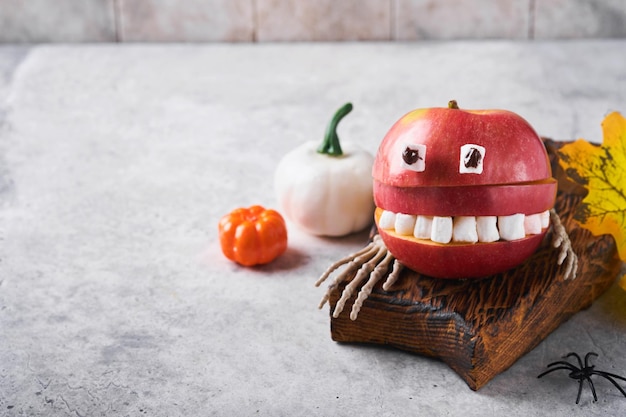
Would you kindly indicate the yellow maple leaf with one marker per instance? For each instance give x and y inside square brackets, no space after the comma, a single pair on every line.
[602,170]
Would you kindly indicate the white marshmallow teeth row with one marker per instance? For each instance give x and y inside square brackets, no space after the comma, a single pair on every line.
[467,229]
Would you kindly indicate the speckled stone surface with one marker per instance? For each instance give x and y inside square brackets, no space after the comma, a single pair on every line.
[116,163]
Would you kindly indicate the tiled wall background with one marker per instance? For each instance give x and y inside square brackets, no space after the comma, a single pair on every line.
[306,20]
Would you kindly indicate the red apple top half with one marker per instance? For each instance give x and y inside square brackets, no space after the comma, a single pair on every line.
[462,193]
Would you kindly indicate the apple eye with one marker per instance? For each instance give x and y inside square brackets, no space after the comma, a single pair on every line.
[413,157]
[472,157]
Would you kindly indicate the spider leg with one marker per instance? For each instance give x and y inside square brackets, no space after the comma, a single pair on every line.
[610,378]
[593,389]
[569,365]
[566,368]
[587,358]
[602,373]
[580,390]
[578,358]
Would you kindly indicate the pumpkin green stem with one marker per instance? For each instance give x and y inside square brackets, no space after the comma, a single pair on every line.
[452,104]
[330,146]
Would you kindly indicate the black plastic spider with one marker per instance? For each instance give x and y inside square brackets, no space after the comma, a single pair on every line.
[582,373]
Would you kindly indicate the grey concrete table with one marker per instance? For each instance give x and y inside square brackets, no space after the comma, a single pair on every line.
[116,163]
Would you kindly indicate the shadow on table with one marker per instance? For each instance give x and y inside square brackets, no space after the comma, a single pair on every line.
[291,259]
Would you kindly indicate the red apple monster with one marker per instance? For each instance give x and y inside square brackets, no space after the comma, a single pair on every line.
[462,193]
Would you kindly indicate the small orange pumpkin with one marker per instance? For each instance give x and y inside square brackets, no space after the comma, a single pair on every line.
[253,236]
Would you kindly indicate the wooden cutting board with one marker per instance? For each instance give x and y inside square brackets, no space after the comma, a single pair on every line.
[480,327]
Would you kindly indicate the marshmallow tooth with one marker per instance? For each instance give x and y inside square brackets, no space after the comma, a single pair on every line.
[387,220]
[511,227]
[423,227]
[545,219]
[442,229]
[464,229]
[487,229]
[405,224]
[532,224]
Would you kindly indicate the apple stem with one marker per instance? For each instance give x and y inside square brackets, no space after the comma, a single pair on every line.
[330,146]
[452,104]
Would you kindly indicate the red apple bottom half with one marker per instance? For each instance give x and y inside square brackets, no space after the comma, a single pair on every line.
[458,259]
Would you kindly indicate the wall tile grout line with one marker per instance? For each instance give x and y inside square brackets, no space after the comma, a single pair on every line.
[531,19]
[393,21]
[255,21]
[117,20]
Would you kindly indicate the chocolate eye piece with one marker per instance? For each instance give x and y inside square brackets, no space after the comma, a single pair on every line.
[411,156]
[472,158]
